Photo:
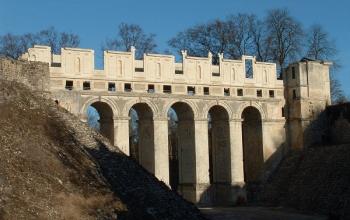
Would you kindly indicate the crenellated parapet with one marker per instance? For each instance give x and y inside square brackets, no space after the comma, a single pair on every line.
[159,73]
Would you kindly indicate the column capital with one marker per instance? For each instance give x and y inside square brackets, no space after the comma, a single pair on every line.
[200,120]
[160,118]
[240,120]
[273,121]
[121,118]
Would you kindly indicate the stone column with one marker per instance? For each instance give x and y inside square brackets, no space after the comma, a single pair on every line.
[237,166]
[146,144]
[121,134]
[202,161]
[161,153]
[236,140]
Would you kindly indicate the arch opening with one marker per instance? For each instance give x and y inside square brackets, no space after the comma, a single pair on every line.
[252,144]
[100,117]
[141,135]
[182,172]
[219,154]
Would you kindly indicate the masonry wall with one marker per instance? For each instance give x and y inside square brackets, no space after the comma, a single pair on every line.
[36,75]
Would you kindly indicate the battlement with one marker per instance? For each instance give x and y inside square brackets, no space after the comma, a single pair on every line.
[122,66]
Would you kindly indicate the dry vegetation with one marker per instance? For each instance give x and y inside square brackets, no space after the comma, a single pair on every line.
[44,174]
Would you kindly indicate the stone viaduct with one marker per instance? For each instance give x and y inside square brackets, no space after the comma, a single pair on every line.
[234,120]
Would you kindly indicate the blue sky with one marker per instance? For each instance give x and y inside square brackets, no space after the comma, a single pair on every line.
[94,21]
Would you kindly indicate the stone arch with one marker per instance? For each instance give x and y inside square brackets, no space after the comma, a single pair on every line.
[106,113]
[131,103]
[168,105]
[219,154]
[217,103]
[141,136]
[252,104]
[252,139]
[90,101]
[182,157]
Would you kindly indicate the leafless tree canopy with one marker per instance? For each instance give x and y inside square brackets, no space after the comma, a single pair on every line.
[286,35]
[321,47]
[319,44]
[275,38]
[132,35]
[15,45]
[278,37]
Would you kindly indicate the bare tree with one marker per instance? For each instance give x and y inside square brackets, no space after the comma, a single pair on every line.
[132,35]
[286,36]
[337,93]
[57,40]
[262,42]
[241,38]
[15,45]
[211,37]
[10,46]
[319,45]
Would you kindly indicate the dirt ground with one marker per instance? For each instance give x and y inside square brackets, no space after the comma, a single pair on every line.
[256,213]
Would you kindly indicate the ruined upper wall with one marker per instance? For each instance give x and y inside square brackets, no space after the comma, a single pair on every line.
[122,66]
[36,75]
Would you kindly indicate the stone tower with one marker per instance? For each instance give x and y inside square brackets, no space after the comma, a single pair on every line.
[307,93]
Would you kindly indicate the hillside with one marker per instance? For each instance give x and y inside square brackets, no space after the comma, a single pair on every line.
[313,180]
[55,167]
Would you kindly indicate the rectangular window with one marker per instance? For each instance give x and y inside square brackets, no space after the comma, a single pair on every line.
[259,93]
[239,92]
[179,72]
[86,85]
[272,93]
[293,72]
[69,84]
[139,70]
[249,68]
[150,88]
[206,90]
[56,64]
[294,94]
[191,90]
[111,87]
[166,89]
[127,87]
[215,74]
[226,92]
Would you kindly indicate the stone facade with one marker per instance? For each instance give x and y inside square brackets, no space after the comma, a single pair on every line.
[254,117]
